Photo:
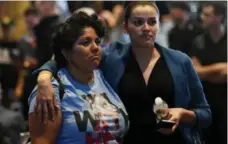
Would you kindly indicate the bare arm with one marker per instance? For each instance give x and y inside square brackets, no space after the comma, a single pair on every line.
[45,94]
[215,73]
[44,133]
[43,76]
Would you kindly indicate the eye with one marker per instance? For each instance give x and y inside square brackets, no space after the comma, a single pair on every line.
[98,41]
[86,42]
[152,22]
[138,22]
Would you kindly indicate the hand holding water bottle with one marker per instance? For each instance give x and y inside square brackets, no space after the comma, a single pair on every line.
[167,116]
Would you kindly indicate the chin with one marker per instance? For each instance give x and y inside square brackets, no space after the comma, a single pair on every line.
[147,44]
[95,65]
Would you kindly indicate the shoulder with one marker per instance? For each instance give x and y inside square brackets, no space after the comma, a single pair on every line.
[33,95]
[175,55]
[117,47]
[54,83]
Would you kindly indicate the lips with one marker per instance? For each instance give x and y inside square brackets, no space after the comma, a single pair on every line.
[94,57]
[147,36]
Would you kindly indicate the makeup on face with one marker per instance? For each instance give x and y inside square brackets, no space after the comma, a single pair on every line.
[139,21]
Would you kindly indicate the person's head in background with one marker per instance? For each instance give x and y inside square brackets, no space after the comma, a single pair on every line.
[7,25]
[46,8]
[142,23]
[76,43]
[32,17]
[179,12]
[213,14]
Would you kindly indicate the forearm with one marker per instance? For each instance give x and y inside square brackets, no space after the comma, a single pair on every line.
[206,72]
[44,76]
[216,71]
[44,133]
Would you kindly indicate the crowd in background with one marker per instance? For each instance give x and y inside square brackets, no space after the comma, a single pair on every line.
[185,26]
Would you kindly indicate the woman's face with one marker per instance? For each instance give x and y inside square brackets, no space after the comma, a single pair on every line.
[86,52]
[143,25]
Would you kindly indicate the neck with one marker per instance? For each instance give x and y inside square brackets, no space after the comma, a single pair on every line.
[146,53]
[216,32]
[83,76]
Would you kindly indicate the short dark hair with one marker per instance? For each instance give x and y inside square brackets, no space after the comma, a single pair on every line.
[31,11]
[134,4]
[219,7]
[69,31]
[181,5]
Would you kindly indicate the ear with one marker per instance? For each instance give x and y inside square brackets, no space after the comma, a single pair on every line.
[65,54]
[125,28]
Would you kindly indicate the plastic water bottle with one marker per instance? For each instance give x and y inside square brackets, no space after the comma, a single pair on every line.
[160,108]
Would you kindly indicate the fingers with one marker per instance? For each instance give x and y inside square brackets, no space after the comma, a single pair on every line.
[176,121]
[51,109]
[165,131]
[56,108]
[174,127]
[36,109]
[39,112]
[45,112]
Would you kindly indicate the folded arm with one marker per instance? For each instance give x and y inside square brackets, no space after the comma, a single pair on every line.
[215,73]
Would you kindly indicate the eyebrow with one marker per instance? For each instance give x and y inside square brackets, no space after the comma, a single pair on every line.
[88,37]
[143,18]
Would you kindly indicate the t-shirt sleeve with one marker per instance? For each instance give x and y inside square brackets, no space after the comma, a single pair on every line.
[32,97]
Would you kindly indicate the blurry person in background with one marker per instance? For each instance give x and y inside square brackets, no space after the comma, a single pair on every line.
[44,30]
[112,13]
[166,23]
[11,61]
[209,55]
[11,124]
[28,46]
[180,37]
[28,41]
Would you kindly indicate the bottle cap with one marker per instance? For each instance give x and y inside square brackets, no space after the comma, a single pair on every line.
[158,101]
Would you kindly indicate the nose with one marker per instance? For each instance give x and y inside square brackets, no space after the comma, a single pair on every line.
[146,26]
[95,47]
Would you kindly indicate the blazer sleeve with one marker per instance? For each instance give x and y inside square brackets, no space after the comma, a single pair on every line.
[198,101]
[48,66]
